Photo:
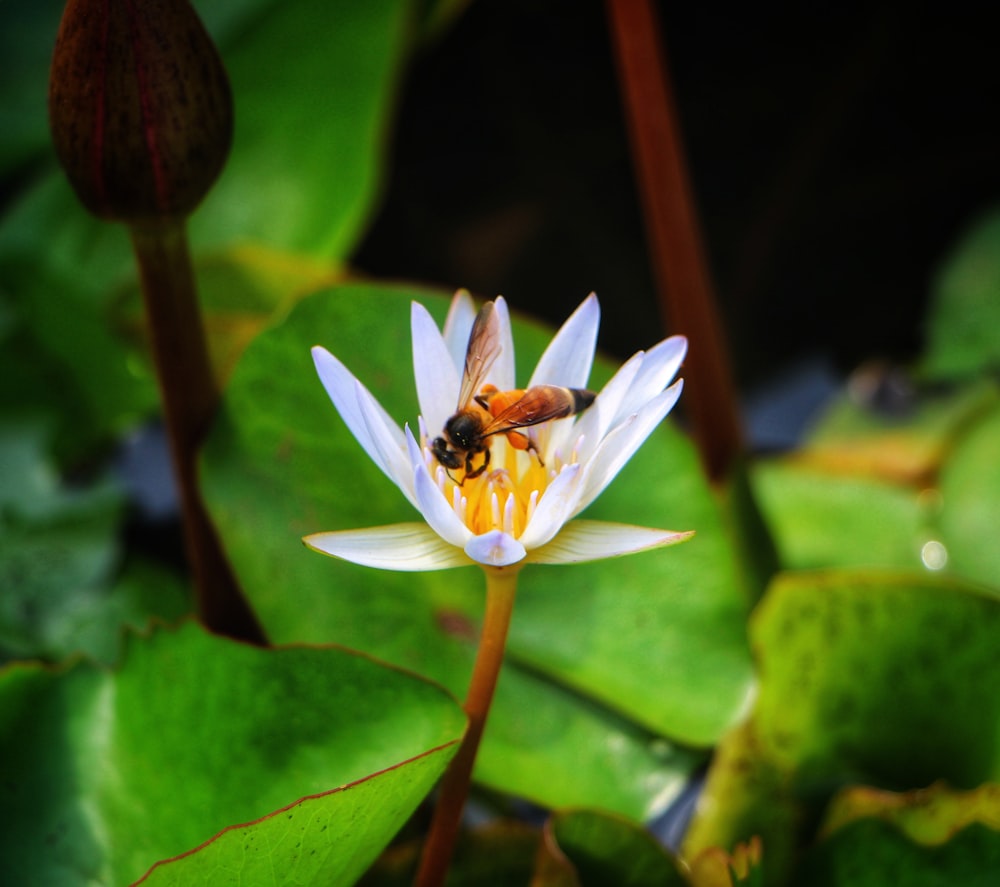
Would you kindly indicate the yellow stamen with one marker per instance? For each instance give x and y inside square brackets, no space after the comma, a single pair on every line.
[505,497]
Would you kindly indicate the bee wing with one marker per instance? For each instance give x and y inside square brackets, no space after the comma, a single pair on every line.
[539,404]
[484,348]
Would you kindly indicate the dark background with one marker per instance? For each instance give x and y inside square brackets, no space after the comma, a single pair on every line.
[838,151]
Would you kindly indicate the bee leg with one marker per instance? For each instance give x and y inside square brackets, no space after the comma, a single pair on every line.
[521,441]
[475,472]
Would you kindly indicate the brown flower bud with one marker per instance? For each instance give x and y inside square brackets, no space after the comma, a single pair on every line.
[140,107]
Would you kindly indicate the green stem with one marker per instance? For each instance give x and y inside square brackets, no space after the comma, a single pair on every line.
[501,588]
[189,396]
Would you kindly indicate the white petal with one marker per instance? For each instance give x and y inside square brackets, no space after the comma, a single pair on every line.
[659,366]
[621,443]
[602,414]
[495,549]
[582,541]
[570,355]
[458,326]
[503,375]
[385,449]
[347,392]
[433,505]
[556,506]
[435,373]
[406,547]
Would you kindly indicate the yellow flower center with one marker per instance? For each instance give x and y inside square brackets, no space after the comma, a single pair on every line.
[505,496]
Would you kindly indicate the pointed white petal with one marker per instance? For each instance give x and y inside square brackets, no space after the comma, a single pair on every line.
[437,378]
[495,549]
[621,443]
[385,450]
[606,409]
[406,547]
[502,374]
[556,506]
[568,359]
[659,366]
[458,326]
[435,508]
[344,390]
[582,541]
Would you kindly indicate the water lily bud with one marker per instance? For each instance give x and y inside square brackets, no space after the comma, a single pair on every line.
[140,107]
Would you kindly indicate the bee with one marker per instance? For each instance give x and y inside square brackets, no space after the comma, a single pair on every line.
[480,416]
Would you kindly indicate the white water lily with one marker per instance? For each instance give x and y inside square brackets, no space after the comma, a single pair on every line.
[523,509]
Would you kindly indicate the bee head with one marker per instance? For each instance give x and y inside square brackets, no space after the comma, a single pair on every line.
[463,429]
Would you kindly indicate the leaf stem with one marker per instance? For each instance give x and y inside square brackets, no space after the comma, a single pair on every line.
[673,233]
[189,396]
[501,589]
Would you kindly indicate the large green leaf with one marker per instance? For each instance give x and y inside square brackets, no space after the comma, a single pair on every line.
[871,853]
[906,444]
[314,83]
[64,587]
[320,753]
[970,511]
[891,679]
[964,318]
[587,848]
[658,637]
[935,837]
[929,816]
[824,519]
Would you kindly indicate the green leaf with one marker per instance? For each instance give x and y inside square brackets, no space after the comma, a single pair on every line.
[906,446]
[314,84]
[746,799]
[928,816]
[714,867]
[964,317]
[320,754]
[970,496]
[934,836]
[65,588]
[822,519]
[890,679]
[659,637]
[27,34]
[587,848]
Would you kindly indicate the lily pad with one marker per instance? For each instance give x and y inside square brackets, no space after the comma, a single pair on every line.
[588,848]
[934,837]
[65,587]
[229,763]
[964,317]
[893,679]
[906,445]
[970,503]
[929,816]
[823,519]
[890,679]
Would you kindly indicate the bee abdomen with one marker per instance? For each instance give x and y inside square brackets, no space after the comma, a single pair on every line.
[582,398]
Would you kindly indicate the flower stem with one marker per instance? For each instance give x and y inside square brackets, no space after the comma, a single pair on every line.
[673,232]
[189,396]
[501,588]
